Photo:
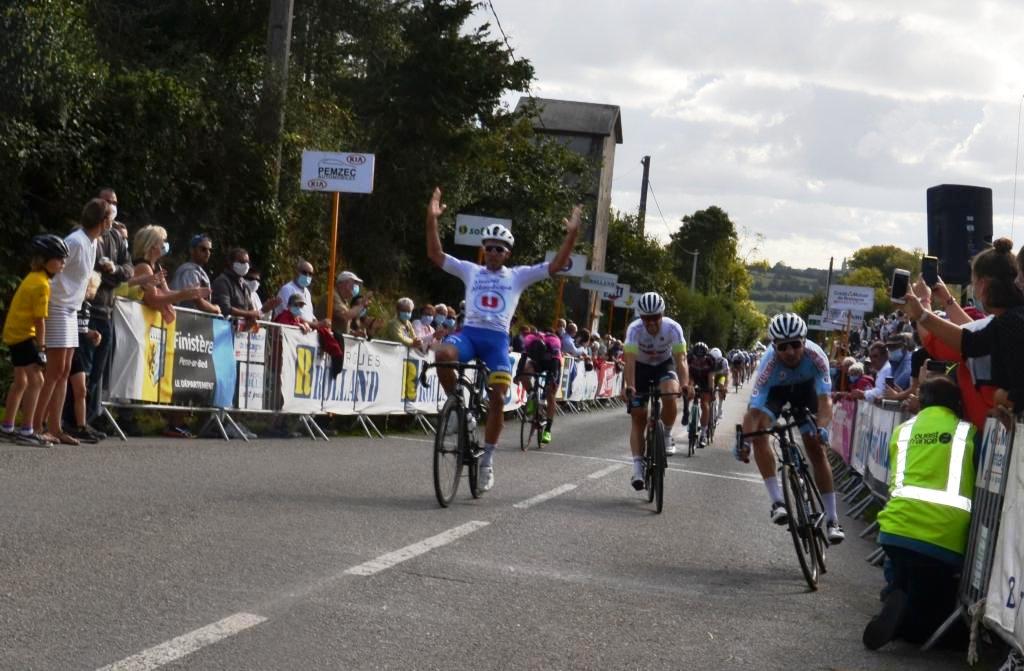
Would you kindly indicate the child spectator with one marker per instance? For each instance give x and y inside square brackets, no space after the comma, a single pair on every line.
[25,335]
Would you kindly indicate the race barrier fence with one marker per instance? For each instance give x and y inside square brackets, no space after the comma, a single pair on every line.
[991,588]
[200,362]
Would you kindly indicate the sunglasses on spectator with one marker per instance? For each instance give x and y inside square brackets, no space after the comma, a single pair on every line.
[783,346]
[495,249]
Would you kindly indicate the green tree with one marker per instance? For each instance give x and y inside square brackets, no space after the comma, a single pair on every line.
[885,258]
[713,234]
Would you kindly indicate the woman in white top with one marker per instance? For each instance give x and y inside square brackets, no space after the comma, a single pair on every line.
[67,291]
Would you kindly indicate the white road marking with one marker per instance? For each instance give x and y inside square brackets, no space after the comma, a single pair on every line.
[605,471]
[413,440]
[181,646]
[386,561]
[540,498]
[670,468]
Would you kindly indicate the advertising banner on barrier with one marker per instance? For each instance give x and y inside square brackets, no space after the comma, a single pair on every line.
[251,355]
[1004,612]
[876,473]
[844,421]
[203,373]
[426,399]
[302,372]
[862,438]
[377,380]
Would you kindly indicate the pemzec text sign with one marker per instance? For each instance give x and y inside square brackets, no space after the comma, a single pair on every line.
[337,172]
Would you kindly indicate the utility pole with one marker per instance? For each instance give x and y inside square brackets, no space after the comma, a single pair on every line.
[642,214]
[693,273]
[275,82]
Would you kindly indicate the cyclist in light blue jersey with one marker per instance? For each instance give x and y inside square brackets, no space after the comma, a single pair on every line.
[794,371]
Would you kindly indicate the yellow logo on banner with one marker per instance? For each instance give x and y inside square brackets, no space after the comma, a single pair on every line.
[303,372]
[158,358]
[410,382]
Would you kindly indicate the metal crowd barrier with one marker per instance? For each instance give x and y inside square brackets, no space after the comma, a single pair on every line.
[202,363]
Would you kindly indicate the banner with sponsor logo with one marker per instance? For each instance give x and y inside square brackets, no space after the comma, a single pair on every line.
[204,372]
[862,438]
[876,473]
[251,354]
[302,372]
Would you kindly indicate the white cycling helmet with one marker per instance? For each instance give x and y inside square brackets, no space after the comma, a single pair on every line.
[650,303]
[499,233]
[715,353]
[787,326]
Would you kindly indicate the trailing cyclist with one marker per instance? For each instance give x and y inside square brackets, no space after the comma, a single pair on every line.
[701,367]
[542,354]
[794,371]
[492,293]
[721,380]
[737,364]
[655,352]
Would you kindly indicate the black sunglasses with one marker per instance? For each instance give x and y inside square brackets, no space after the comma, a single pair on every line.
[783,346]
[494,249]
[650,318]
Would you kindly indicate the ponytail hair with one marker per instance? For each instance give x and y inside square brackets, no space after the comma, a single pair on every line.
[999,266]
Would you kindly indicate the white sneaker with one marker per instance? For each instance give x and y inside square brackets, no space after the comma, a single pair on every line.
[835,533]
[486,480]
[670,443]
[779,514]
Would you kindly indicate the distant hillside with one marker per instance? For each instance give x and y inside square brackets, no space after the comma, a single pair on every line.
[775,289]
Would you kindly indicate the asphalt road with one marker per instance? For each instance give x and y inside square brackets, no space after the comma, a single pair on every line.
[293,554]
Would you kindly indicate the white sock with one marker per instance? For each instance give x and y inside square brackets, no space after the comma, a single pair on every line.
[638,466]
[774,490]
[830,506]
[487,458]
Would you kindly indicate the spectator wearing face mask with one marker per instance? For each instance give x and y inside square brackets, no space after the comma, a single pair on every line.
[292,315]
[230,292]
[349,302]
[252,281]
[424,326]
[898,347]
[878,355]
[858,379]
[300,284]
[400,328]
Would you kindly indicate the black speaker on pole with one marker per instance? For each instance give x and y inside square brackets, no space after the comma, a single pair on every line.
[959,226]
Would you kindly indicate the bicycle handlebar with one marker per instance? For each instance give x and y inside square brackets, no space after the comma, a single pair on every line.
[456,365]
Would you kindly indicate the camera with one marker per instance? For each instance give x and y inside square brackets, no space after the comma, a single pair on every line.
[900,285]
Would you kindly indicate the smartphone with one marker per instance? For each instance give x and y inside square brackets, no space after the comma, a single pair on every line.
[930,270]
[900,284]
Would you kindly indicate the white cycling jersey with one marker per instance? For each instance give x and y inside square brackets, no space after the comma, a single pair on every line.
[654,349]
[492,296]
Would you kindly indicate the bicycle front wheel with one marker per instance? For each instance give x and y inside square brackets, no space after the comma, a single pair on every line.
[817,512]
[660,460]
[448,450]
[526,429]
[804,538]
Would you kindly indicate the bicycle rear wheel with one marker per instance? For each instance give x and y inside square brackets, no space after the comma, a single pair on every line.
[804,538]
[449,443]
[658,478]
[649,463]
[526,430]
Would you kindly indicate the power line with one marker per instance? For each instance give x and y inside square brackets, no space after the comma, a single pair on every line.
[650,185]
[512,53]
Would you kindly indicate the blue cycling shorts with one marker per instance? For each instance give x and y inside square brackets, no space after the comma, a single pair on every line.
[489,346]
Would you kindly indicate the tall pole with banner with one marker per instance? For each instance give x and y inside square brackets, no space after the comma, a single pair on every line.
[336,173]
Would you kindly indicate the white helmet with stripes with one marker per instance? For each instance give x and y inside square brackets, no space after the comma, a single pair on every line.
[787,326]
[650,303]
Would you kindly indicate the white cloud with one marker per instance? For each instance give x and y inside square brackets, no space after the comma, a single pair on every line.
[819,123]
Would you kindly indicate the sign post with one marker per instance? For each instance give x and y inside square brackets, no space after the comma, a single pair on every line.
[599,283]
[336,173]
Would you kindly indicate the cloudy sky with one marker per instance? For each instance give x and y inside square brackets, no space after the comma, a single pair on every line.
[817,123]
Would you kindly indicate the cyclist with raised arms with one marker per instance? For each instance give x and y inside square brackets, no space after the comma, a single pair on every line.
[701,367]
[492,294]
[794,370]
[655,352]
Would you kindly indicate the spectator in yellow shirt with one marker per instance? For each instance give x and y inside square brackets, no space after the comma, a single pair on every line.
[24,334]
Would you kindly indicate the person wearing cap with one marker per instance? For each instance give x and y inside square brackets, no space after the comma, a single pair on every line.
[898,347]
[292,316]
[492,294]
[348,306]
[192,273]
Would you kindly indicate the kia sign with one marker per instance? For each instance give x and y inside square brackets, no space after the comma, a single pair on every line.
[576,266]
[469,228]
[615,294]
[857,299]
[337,172]
[600,282]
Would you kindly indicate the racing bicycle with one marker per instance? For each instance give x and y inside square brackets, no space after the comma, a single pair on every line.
[800,494]
[456,444]
[534,418]
[655,457]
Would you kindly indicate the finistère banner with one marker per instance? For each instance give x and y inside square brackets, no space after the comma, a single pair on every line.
[1004,612]
[188,362]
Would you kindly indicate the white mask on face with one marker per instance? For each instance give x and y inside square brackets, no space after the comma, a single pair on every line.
[113,212]
[254,285]
[240,268]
